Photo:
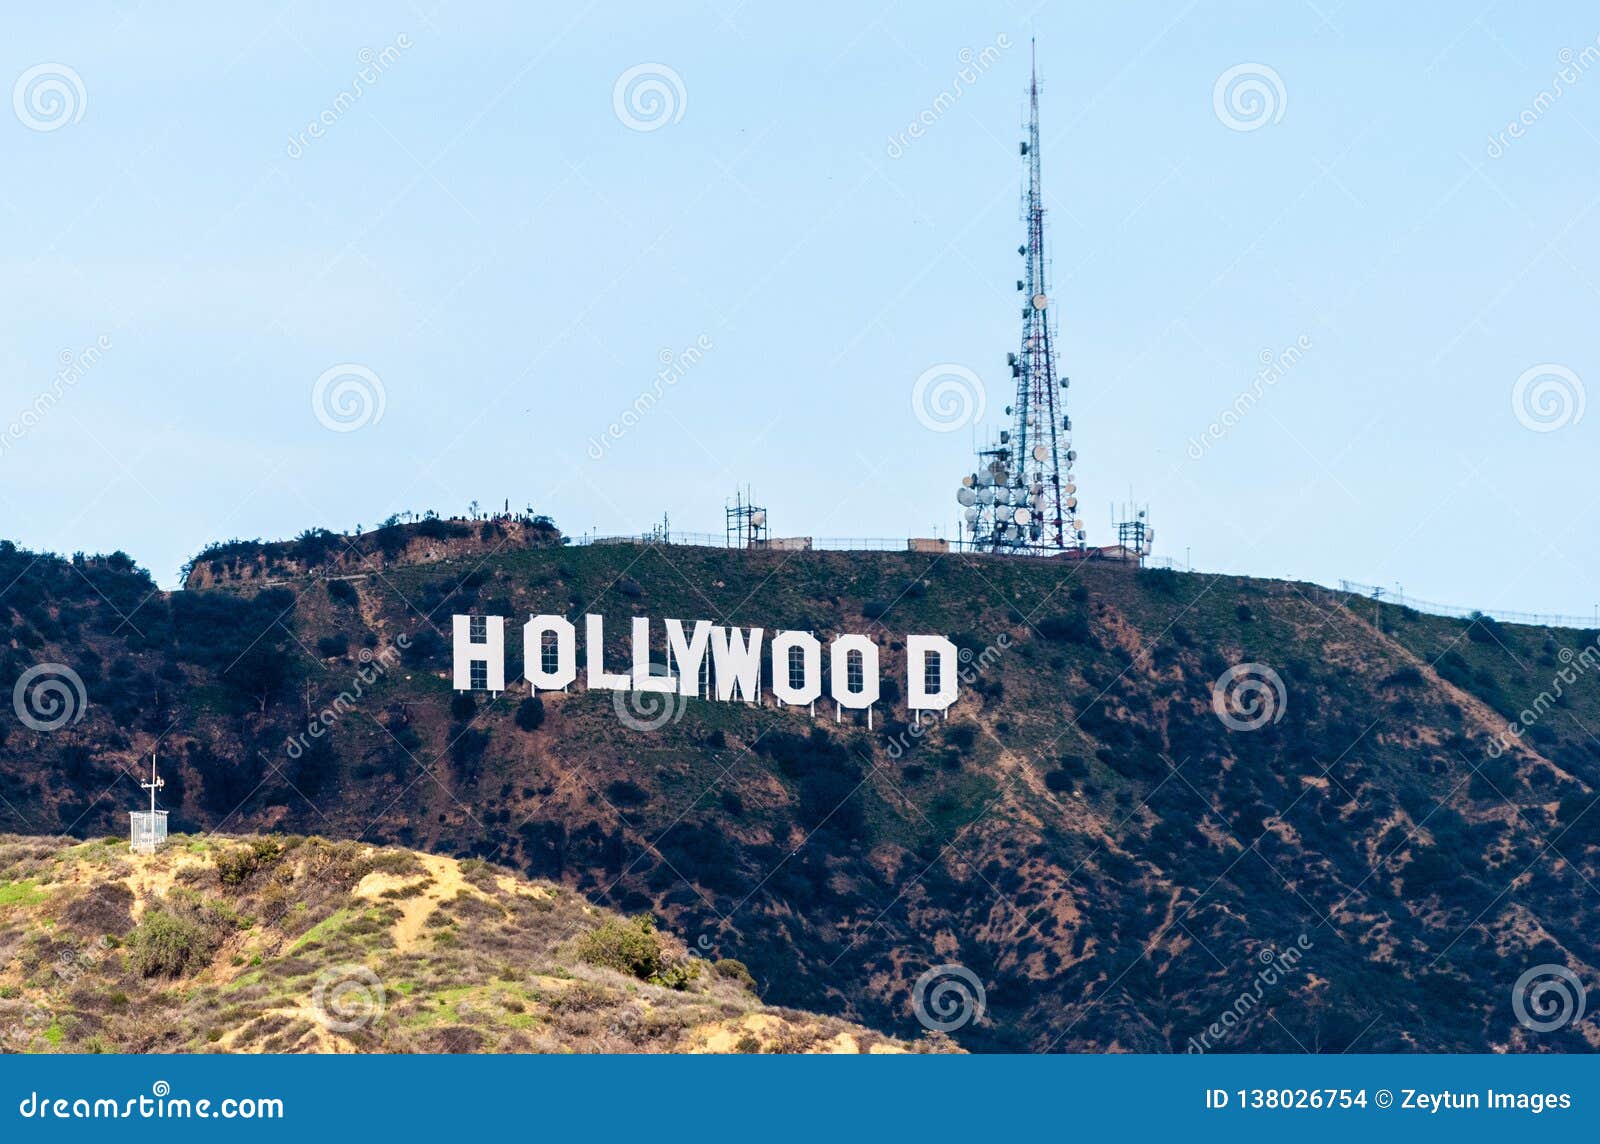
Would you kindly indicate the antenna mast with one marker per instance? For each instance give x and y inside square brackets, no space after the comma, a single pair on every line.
[148,831]
[1023,498]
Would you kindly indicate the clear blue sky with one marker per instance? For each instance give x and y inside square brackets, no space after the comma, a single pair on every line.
[483,231]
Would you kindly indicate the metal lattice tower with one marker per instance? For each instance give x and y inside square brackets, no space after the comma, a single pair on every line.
[1022,499]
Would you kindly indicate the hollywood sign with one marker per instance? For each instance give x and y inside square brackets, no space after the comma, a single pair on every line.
[708,661]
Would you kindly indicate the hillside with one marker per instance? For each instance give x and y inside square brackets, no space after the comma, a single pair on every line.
[280,944]
[318,552]
[1109,858]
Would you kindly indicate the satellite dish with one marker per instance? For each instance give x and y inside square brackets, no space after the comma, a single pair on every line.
[1002,512]
[1040,452]
[966,496]
[1071,503]
[968,481]
[1012,533]
[759,517]
[1069,487]
[970,515]
[1072,455]
[1022,516]
[1078,525]
[1081,534]
[986,495]
[1040,301]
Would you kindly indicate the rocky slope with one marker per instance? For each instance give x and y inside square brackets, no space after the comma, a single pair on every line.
[1114,857]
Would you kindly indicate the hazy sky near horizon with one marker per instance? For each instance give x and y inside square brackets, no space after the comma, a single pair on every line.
[495,238]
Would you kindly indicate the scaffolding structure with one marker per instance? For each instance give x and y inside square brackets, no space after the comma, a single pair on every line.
[746,525]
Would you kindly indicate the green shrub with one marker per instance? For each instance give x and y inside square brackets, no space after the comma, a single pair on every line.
[530,713]
[1071,628]
[633,946]
[234,867]
[166,945]
[630,946]
[334,646]
[735,970]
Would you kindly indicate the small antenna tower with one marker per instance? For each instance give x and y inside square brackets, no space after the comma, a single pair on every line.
[148,829]
[1022,498]
[746,522]
[1134,534]
[662,533]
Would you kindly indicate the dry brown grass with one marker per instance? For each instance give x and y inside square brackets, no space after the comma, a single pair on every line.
[306,945]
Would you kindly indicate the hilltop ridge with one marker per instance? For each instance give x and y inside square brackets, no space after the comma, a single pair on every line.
[289,944]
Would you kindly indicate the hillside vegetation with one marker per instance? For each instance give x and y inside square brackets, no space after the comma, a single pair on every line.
[289,944]
[1106,855]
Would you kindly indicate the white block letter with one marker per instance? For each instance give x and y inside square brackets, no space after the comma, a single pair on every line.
[594,650]
[918,649]
[839,669]
[687,655]
[566,670]
[643,680]
[737,660]
[811,683]
[490,651]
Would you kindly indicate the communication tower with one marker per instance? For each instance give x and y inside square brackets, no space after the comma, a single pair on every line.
[1134,534]
[746,522]
[1022,498]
